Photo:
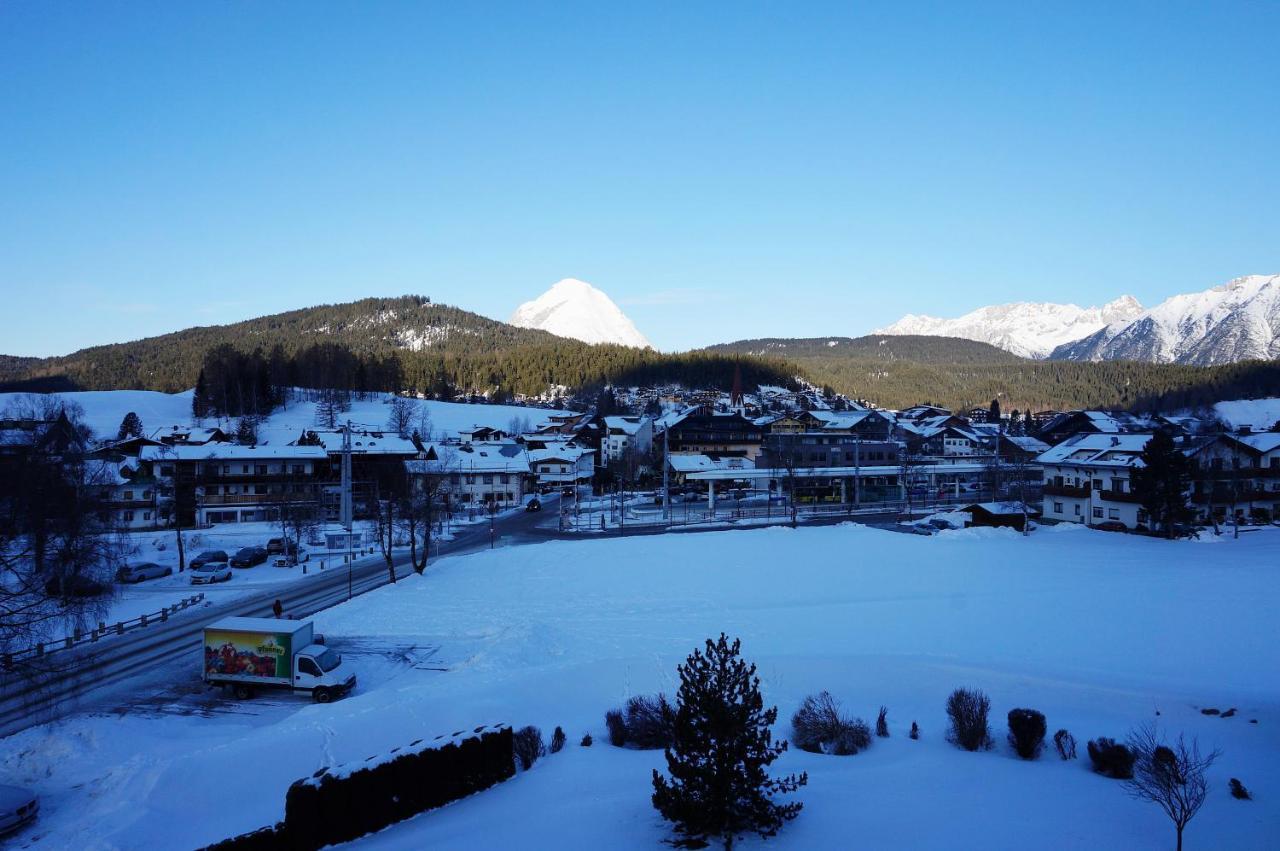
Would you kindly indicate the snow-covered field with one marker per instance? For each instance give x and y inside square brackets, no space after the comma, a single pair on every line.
[105,409]
[1099,631]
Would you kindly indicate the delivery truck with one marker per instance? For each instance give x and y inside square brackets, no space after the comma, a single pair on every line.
[248,654]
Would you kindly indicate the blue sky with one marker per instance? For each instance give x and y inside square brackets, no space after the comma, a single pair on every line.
[724,171]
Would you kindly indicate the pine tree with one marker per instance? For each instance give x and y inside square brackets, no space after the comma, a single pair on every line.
[130,426]
[993,413]
[1161,482]
[719,787]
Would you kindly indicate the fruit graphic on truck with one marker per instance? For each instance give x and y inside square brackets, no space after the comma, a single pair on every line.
[247,654]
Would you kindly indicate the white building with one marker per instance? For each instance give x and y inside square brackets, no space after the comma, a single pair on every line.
[626,435]
[479,474]
[557,463]
[239,484]
[1087,479]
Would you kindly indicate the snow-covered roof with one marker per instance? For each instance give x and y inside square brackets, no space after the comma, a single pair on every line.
[559,452]
[230,452]
[1003,508]
[1027,443]
[1268,441]
[685,463]
[103,471]
[626,425]
[368,442]
[495,457]
[1106,450]
[189,434]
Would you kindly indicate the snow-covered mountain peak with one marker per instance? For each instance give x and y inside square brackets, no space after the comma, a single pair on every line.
[1028,329]
[576,309]
[1238,320]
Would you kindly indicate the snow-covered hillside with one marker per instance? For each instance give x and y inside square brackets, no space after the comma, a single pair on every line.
[573,308]
[1258,414]
[1029,329]
[103,411]
[1096,630]
[1239,320]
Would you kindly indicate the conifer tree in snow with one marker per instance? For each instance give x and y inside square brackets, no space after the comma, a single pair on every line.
[1162,481]
[719,787]
[200,398]
[130,426]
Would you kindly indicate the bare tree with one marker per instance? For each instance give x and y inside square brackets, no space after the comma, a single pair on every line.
[386,523]
[1169,775]
[785,459]
[299,518]
[909,464]
[427,496]
[400,416]
[58,550]
[175,499]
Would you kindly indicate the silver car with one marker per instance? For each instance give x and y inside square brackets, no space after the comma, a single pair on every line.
[18,807]
[211,572]
[143,571]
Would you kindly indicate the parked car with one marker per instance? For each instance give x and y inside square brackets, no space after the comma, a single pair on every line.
[206,556]
[921,529]
[249,556]
[1111,526]
[18,807]
[211,572]
[293,556]
[275,546]
[142,571]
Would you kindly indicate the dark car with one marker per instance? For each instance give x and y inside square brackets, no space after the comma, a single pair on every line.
[249,556]
[531,503]
[275,546]
[1111,526]
[207,556]
[142,571]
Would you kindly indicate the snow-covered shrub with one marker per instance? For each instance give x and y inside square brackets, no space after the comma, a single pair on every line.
[528,746]
[1110,758]
[557,740]
[1026,732]
[882,723]
[915,731]
[586,740]
[968,709]
[820,727]
[650,722]
[1065,743]
[617,727]
[1238,790]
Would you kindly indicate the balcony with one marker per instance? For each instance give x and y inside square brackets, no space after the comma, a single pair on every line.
[257,499]
[1074,491]
[1224,496]
[255,478]
[1119,496]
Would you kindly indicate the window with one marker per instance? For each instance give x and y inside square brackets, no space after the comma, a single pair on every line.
[167,469]
[307,666]
[128,496]
[260,469]
[126,516]
[1077,508]
[146,515]
[1057,508]
[298,469]
[488,478]
[1113,513]
[1097,484]
[1097,513]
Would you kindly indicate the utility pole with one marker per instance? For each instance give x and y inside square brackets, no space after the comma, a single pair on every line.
[857,471]
[666,477]
[345,503]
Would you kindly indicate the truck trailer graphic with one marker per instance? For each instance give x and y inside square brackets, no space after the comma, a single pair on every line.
[247,654]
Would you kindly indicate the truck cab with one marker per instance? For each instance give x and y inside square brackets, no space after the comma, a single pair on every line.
[319,670]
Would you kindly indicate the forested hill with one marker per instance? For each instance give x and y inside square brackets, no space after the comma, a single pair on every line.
[899,371]
[882,347]
[439,349]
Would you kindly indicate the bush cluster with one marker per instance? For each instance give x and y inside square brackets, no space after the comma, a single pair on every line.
[968,709]
[1111,759]
[1026,732]
[557,740]
[528,746]
[646,722]
[882,723]
[820,727]
[1065,743]
[1238,790]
